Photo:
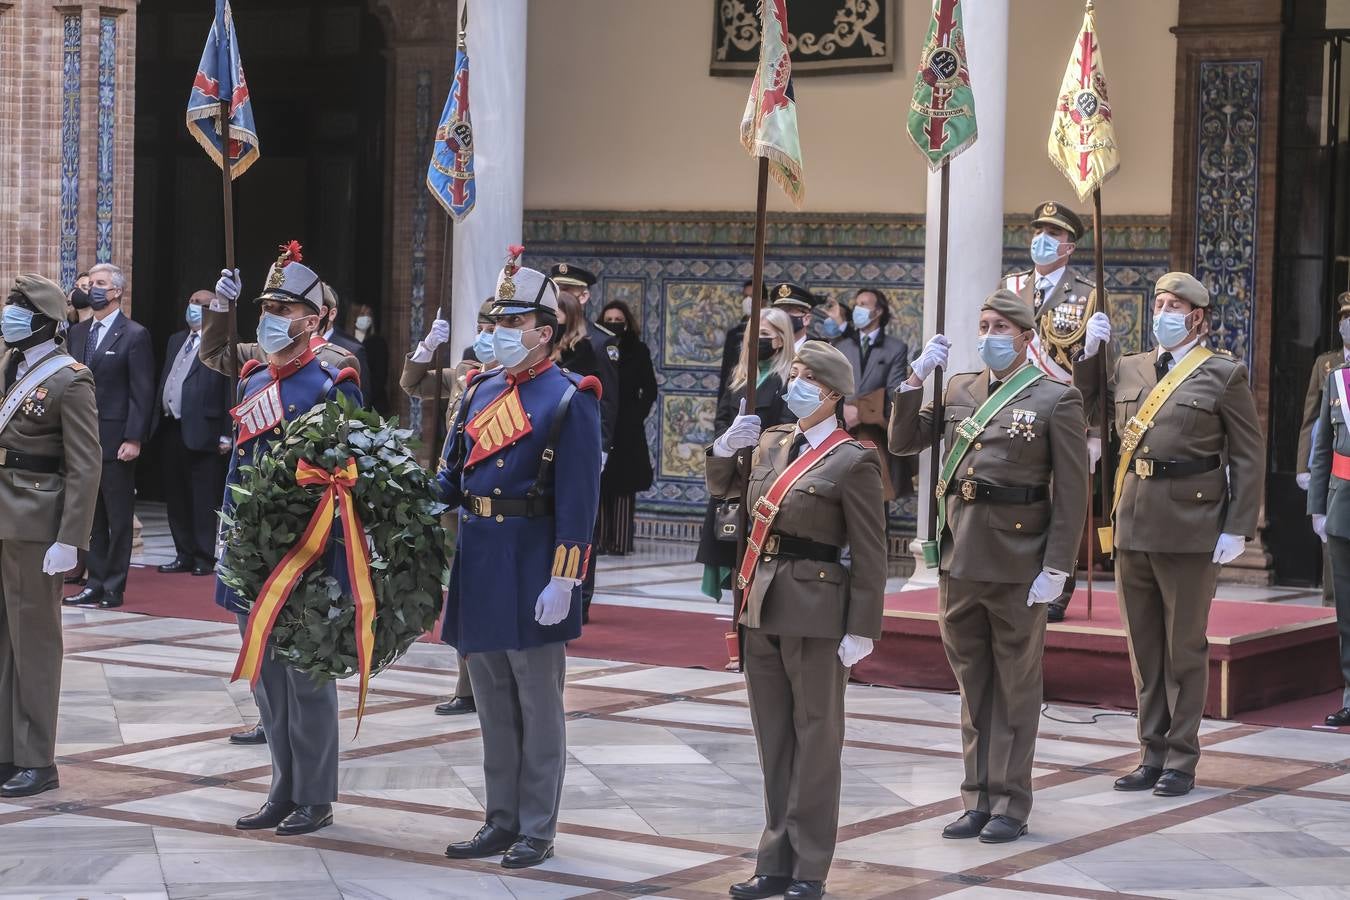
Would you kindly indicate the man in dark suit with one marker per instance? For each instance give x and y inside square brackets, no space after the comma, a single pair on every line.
[118,352]
[578,282]
[334,335]
[193,422]
[880,365]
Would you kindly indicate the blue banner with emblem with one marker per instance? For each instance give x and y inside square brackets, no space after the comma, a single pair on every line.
[450,175]
[220,76]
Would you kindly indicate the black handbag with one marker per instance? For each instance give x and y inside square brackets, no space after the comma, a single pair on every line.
[727,519]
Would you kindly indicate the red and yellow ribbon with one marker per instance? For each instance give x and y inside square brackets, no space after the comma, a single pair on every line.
[277,589]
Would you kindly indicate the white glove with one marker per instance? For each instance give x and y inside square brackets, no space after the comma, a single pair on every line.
[853,649]
[742,433]
[60,558]
[555,601]
[439,334]
[1303,479]
[1094,452]
[1047,586]
[1319,524]
[1098,332]
[1229,548]
[934,354]
[228,289]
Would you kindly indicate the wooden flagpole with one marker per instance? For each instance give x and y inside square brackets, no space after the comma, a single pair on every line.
[227,188]
[437,357]
[1103,464]
[935,457]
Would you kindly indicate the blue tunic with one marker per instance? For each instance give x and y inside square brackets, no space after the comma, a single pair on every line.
[501,567]
[305,383]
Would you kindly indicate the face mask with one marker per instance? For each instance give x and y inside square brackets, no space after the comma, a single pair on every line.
[861,317]
[363,323]
[17,324]
[799,323]
[617,327]
[830,328]
[803,398]
[1170,329]
[745,305]
[79,299]
[1345,330]
[274,333]
[194,315]
[997,351]
[508,345]
[482,348]
[766,348]
[98,298]
[1044,249]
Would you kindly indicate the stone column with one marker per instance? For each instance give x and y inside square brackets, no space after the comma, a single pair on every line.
[975,221]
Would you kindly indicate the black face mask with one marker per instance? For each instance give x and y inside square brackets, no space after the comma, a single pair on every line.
[799,323]
[79,299]
[619,328]
[766,348]
[98,298]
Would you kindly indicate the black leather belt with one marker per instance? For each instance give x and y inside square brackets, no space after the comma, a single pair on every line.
[785,547]
[978,491]
[29,462]
[1175,468]
[509,507]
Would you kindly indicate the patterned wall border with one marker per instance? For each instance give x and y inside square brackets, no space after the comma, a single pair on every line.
[107,99]
[1226,192]
[71,36]
[421,153]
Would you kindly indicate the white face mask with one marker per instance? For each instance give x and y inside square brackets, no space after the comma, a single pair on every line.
[363,323]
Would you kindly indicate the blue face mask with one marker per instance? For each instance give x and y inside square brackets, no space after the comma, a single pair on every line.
[194,315]
[997,351]
[98,298]
[1170,329]
[830,328]
[508,346]
[862,317]
[1044,249]
[803,398]
[17,324]
[274,333]
[483,349]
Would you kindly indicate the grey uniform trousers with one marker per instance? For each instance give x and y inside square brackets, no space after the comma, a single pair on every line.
[1338,551]
[30,655]
[519,694]
[299,715]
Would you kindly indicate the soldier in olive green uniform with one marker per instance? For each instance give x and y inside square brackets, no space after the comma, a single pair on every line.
[1187,495]
[807,617]
[1330,516]
[1015,505]
[1323,366]
[50,464]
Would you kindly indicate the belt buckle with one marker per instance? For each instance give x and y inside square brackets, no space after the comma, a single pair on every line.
[967,490]
[1133,433]
[1143,468]
[940,490]
[771,544]
[481,506]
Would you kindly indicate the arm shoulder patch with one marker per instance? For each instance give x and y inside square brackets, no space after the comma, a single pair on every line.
[250,366]
[348,374]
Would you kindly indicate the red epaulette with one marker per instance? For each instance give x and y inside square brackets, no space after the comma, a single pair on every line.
[348,374]
[592,384]
[476,375]
[251,366]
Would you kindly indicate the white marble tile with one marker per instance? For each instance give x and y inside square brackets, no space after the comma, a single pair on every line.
[1289,743]
[637,755]
[665,680]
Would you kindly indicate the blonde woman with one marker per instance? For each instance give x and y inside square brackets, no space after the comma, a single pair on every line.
[775,333]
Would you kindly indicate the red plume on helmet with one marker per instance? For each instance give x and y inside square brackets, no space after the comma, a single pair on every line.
[291,251]
[513,254]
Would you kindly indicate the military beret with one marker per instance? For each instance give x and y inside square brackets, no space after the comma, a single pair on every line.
[1343,304]
[788,294]
[485,311]
[1011,307]
[568,275]
[829,368]
[46,296]
[1052,213]
[1185,286]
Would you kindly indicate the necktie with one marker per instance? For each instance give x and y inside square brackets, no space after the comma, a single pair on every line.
[91,342]
[1162,365]
[798,446]
[994,386]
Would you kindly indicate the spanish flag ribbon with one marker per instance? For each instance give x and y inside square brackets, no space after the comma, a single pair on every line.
[277,589]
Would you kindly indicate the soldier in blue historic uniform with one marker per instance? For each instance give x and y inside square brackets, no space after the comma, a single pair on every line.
[523,462]
[298,714]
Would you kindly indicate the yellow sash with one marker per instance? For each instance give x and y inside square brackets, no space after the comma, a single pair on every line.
[1140,423]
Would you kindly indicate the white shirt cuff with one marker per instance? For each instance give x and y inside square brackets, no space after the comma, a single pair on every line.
[421,354]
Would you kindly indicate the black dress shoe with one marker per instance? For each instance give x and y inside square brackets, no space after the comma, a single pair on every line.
[489,841]
[178,565]
[110,601]
[1141,779]
[1340,718]
[1173,783]
[201,569]
[805,890]
[306,819]
[1002,830]
[27,782]
[527,852]
[1054,612]
[760,886]
[968,826]
[86,597]
[270,815]
[254,735]
[456,706]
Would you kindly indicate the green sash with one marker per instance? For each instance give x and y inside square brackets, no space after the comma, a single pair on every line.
[966,434]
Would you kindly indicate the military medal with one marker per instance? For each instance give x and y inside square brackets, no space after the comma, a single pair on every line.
[1023,424]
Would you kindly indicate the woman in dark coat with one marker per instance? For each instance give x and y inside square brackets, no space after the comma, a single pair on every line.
[775,361]
[629,468]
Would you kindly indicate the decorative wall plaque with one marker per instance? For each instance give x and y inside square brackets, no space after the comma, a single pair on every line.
[827,36]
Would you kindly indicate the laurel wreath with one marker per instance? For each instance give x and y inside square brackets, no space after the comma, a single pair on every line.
[394,499]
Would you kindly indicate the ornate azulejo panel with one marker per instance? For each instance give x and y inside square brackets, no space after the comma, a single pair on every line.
[1226,186]
[71,37]
[420,216]
[686,432]
[695,322]
[107,101]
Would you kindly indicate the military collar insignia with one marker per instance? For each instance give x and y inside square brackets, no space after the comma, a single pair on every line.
[286,370]
[529,374]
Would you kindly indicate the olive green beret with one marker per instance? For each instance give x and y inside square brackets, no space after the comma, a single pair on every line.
[46,295]
[1343,304]
[1011,307]
[1052,213]
[1185,286]
[828,366]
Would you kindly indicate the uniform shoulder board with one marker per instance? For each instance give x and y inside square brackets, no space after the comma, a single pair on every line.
[866,445]
[79,367]
[250,366]
[1020,273]
[1220,351]
[479,375]
[348,374]
[1079,277]
[592,384]
[604,329]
